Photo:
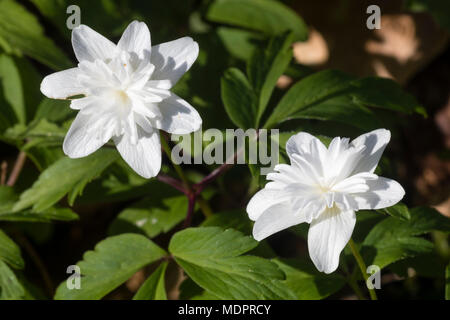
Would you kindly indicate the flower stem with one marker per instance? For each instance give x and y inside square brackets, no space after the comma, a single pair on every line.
[193,195]
[362,266]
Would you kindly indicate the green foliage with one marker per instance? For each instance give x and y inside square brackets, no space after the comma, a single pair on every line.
[238,98]
[400,210]
[113,261]
[394,239]
[8,198]
[334,95]
[10,252]
[267,16]
[213,258]
[151,216]
[21,33]
[65,176]
[11,288]
[306,282]
[153,288]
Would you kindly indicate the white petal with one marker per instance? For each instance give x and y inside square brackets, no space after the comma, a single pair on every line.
[375,142]
[299,143]
[91,45]
[275,219]
[178,116]
[144,157]
[383,193]
[62,84]
[172,59]
[263,200]
[86,135]
[328,235]
[136,38]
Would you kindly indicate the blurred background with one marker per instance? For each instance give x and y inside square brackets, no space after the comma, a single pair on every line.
[411,47]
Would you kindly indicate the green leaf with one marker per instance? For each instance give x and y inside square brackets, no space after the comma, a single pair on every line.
[306,282]
[385,93]
[65,176]
[153,288]
[334,95]
[12,87]
[400,210]
[212,258]
[308,92]
[7,200]
[21,33]
[266,66]
[151,216]
[393,239]
[10,287]
[267,16]
[113,261]
[54,110]
[238,98]
[239,43]
[234,219]
[10,252]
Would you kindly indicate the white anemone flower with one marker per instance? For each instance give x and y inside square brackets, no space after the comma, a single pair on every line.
[324,187]
[125,94]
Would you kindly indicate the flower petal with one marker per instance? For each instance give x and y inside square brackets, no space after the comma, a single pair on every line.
[328,235]
[299,143]
[144,157]
[275,219]
[262,201]
[136,38]
[86,135]
[178,116]
[173,59]
[375,142]
[62,84]
[383,193]
[91,45]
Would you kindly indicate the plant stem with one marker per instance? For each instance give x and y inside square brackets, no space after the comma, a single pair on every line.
[188,190]
[4,170]
[18,165]
[362,266]
[37,261]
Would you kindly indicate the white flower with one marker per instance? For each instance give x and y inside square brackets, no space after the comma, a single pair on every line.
[126,95]
[324,187]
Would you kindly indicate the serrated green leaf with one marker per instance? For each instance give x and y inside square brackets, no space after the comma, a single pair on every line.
[153,288]
[306,282]
[10,287]
[21,33]
[10,252]
[238,98]
[151,216]
[211,257]
[269,17]
[113,261]
[393,239]
[65,176]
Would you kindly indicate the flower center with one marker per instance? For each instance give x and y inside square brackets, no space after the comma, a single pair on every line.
[121,96]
